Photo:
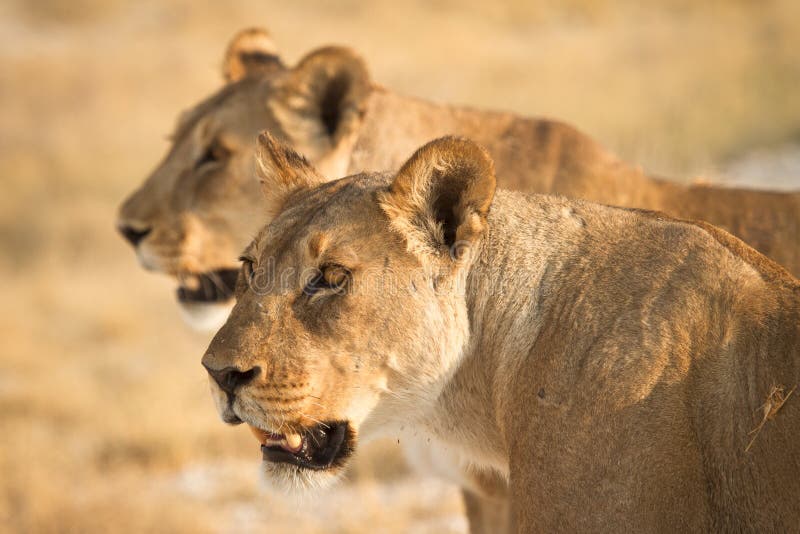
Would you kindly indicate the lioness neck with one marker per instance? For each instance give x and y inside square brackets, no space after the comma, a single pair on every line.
[553,277]
[502,298]
[536,155]
[399,124]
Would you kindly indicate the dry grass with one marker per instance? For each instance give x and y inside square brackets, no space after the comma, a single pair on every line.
[105,418]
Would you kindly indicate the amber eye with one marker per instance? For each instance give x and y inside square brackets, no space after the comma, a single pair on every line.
[331,277]
[214,153]
[248,271]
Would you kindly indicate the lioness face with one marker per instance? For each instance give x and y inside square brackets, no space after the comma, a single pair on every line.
[349,314]
[201,206]
[197,211]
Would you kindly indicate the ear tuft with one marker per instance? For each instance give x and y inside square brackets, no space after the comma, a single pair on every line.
[251,51]
[440,198]
[282,171]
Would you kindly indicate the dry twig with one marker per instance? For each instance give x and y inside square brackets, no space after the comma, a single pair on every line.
[775,401]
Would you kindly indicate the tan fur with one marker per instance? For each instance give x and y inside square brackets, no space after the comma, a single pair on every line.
[609,363]
[202,217]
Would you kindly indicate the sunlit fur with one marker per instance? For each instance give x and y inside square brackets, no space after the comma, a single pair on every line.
[327,108]
[609,363]
[202,219]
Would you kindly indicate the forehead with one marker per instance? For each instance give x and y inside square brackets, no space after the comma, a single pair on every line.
[338,217]
[237,105]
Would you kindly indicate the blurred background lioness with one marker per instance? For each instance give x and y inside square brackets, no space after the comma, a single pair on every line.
[106,420]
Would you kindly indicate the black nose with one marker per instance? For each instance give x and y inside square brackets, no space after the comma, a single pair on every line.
[231,378]
[133,235]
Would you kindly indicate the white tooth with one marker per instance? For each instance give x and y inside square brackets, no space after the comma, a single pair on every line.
[294,441]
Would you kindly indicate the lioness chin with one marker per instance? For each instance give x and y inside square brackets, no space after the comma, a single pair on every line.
[610,363]
[200,206]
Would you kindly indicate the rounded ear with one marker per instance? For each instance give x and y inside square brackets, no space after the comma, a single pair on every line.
[323,100]
[440,198]
[282,172]
[250,52]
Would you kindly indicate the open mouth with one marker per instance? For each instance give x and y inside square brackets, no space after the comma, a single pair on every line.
[210,287]
[320,447]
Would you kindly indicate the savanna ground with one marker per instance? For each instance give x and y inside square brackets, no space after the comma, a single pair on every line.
[106,424]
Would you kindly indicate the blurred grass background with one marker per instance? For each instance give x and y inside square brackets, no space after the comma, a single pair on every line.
[105,418]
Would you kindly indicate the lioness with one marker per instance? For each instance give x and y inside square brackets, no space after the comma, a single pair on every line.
[200,207]
[611,363]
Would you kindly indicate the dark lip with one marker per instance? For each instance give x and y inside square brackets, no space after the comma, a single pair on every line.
[214,287]
[325,445]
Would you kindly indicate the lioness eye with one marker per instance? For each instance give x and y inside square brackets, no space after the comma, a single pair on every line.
[247,270]
[328,278]
[214,153]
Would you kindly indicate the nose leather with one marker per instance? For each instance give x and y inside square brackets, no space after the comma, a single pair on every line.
[229,379]
[132,235]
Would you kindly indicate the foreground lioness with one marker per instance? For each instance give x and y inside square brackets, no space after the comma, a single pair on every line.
[200,207]
[611,363]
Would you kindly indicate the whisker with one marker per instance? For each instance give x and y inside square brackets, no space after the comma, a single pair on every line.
[280,427]
[315,420]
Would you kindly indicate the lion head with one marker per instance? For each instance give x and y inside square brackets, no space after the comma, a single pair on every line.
[200,207]
[350,309]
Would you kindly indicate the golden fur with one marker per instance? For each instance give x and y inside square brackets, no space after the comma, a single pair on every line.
[201,211]
[201,216]
[609,363]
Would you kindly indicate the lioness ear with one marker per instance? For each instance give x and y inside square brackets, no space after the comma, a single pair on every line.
[440,198]
[251,51]
[322,102]
[282,171]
